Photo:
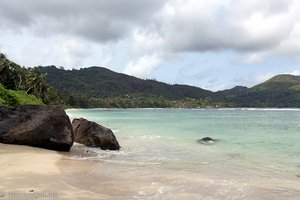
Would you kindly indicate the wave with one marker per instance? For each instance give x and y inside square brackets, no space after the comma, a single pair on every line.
[272,109]
[259,109]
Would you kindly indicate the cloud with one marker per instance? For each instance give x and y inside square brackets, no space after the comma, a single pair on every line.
[57,50]
[144,66]
[140,37]
[248,27]
[295,73]
[264,77]
[101,21]
[146,42]
[242,26]
[255,30]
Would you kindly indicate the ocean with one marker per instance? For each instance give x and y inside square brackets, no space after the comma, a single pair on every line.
[255,156]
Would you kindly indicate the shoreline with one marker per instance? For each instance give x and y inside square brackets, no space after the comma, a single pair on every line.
[33,173]
[160,162]
[221,108]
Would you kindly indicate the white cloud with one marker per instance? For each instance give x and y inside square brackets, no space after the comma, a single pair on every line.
[57,50]
[295,73]
[244,80]
[146,42]
[264,77]
[144,66]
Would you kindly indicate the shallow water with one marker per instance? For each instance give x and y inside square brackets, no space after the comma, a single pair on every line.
[256,155]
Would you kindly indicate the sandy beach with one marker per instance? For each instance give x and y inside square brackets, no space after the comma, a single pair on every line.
[32,173]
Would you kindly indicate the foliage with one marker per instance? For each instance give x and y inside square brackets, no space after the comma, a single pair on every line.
[295,87]
[15,98]
[98,82]
[279,91]
[100,87]
[12,75]
[30,80]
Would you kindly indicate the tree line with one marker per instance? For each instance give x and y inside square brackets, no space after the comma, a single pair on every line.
[26,81]
[17,82]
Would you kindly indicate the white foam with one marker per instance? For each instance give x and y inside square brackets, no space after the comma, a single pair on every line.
[132,162]
[271,109]
[84,158]
[260,109]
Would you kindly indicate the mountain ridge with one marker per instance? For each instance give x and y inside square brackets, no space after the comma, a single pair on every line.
[105,83]
[99,82]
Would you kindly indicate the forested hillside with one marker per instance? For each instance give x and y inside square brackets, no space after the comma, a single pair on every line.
[20,85]
[279,91]
[100,87]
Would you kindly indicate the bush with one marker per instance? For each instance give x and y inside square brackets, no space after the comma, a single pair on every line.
[16,98]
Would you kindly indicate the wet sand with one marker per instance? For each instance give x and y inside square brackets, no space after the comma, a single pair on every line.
[122,181]
[32,173]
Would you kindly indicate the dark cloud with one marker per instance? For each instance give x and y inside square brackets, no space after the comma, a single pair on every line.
[98,20]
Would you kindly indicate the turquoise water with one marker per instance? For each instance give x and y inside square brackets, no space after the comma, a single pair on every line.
[256,154]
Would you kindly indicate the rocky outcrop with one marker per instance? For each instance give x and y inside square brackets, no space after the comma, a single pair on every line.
[38,126]
[206,140]
[94,135]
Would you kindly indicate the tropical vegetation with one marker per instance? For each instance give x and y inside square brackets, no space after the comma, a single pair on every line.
[20,85]
[100,87]
[15,98]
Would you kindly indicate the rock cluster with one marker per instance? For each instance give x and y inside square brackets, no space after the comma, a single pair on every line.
[50,128]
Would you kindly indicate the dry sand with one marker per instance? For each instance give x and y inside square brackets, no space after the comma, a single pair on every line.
[32,173]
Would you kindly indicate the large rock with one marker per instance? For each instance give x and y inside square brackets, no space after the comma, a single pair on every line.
[36,126]
[94,135]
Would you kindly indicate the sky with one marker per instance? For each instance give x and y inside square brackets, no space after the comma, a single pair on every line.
[212,44]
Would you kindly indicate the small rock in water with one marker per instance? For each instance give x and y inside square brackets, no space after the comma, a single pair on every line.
[206,140]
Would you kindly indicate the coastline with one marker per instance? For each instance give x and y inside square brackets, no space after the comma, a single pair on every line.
[156,165]
[33,173]
[160,158]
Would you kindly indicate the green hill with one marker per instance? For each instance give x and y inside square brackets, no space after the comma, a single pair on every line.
[279,91]
[99,82]
[279,83]
[100,87]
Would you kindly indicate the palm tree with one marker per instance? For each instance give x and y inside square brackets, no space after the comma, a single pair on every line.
[36,83]
[11,74]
